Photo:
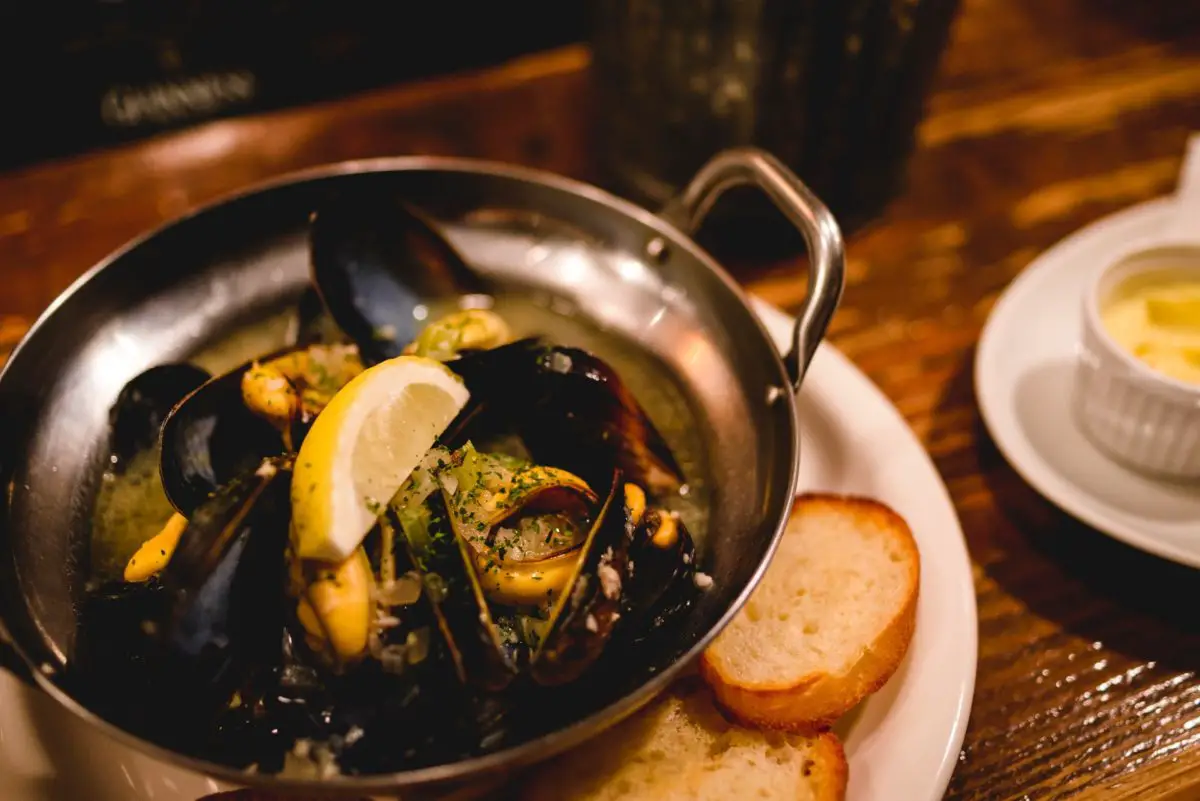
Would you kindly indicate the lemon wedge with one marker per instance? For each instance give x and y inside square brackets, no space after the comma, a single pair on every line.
[1175,312]
[363,446]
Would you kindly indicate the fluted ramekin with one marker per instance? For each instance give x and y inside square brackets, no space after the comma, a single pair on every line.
[1144,419]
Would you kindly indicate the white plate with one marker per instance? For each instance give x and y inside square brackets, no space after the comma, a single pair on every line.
[1023,374]
[902,743]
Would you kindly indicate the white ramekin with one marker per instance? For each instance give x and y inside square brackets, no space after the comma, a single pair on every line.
[1138,416]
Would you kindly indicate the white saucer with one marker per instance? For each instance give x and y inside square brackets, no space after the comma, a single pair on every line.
[902,743]
[1023,375]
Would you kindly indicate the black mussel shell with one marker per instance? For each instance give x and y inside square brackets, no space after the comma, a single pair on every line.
[264,727]
[464,620]
[115,668]
[226,581]
[134,679]
[587,416]
[313,325]
[211,437]
[433,722]
[654,570]
[371,718]
[277,707]
[571,410]
[375,262]
[370,721]
[495,407]
[144,403]
[584,616]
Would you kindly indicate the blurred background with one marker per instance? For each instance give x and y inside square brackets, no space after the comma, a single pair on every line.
[834,88]
[120,114]
[83,74]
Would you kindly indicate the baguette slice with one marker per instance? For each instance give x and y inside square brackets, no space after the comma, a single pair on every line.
[681,748]
[830,621]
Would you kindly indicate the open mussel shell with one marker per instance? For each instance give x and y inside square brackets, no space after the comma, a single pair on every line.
[140,682]
[378,265]
[520,520]
[584,615]
[144,403]
[163,658]
[571,411]
[225,583]
[313,325]
[113,663]
[274,711]
[460,608]
[587,416]
[661,564]
[210,438]
[311,695]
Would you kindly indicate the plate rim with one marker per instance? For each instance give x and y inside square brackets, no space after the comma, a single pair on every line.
[960,582]
[991,394]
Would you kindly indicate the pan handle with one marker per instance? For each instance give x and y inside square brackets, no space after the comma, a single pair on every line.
[827,259]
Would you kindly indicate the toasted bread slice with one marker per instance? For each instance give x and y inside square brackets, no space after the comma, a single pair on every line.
[682,749]
[830,621]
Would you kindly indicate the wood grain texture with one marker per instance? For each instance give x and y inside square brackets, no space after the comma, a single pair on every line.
[1046,116]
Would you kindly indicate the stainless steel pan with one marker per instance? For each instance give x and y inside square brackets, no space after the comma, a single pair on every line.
[639,274]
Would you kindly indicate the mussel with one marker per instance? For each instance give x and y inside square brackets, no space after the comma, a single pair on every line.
[552,605]
[662,561]
[167,654]
[514,495]
[313,325]
[209,439]
[257,410]
[225,582]
[291,388]
[135,421]
[354,712]
[116,669]
[375,266]
[452,586]
[468,329]
[142,406]
[378,264]
[523,523]
[569,407]
[584,614]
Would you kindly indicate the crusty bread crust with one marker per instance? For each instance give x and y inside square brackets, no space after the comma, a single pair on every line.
[815,701]
[828,773]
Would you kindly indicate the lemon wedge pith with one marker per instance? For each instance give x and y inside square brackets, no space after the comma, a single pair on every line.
[363,446]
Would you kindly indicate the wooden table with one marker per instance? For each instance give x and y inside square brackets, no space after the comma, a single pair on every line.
[1046,115]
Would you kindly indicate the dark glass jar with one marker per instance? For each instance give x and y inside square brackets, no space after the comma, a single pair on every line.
[834,88]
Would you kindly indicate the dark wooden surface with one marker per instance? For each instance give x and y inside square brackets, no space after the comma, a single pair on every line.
[1046,115]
